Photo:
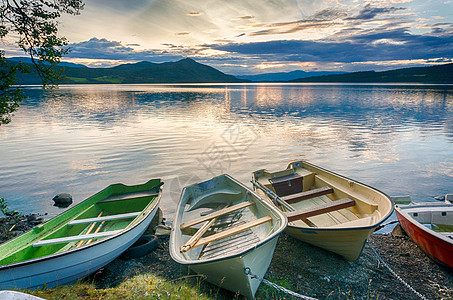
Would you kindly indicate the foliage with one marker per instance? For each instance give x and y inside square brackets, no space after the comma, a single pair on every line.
[4,209]
[145,286]
[32,25]
[434,74]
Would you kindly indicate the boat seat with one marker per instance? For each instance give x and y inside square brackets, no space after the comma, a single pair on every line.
[230,231]
[76,238]
[325,190]
[227,194]
[216,214]
[106,218]
[129,196]
[320,209]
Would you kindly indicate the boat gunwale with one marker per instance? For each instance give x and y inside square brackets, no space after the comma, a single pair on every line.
[371,226]
[91,245]
[283,226]
[400,211]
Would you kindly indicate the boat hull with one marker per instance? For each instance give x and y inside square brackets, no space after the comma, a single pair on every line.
[439,248]
[346,238]
[225,260]
[344,242]
[65,267]
[233,276]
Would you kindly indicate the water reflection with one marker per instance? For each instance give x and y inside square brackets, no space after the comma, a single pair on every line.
[79,139]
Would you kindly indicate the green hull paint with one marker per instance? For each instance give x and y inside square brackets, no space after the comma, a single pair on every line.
[138,198]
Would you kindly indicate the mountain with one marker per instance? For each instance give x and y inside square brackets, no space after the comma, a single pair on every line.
[284,76]
[28,61]
[183,71]
[435,74]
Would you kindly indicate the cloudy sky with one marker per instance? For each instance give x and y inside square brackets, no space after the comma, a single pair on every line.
[264,36]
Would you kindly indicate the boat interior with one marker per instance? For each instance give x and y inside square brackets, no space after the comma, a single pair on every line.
[315,198]
[438,218]
[222,219]
[93,221]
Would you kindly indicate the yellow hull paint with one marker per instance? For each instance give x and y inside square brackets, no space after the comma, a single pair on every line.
[342,231]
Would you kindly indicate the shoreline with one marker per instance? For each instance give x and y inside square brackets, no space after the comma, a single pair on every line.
[312,272]
[304,269]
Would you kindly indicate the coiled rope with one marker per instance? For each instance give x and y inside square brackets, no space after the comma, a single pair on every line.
[396,275]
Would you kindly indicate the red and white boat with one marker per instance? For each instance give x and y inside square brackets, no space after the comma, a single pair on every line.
[430,225]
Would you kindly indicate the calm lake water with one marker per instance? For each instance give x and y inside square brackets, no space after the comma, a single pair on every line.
[80,139]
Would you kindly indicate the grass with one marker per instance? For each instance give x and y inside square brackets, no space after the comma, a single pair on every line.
[267,292]
[143,286]
[105,79]
[77,80]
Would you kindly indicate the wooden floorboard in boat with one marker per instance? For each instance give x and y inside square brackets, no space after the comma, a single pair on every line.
[332,218]
[236,243]
[225,241]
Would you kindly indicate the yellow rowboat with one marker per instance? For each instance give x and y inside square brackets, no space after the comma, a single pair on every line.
[323,208]
[223,230]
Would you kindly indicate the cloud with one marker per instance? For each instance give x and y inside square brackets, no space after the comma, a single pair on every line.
[370,12]
[375,45]
[110,51]
[96,46]
[182,33]
[328,18]
[244,18]
[194,14]
[324,18]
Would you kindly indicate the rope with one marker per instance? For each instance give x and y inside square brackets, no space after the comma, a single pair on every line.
[247,271]
[396,275]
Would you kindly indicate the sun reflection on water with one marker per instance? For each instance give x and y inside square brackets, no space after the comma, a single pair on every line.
[79,139]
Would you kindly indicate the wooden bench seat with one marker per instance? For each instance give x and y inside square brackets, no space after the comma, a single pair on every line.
[307,195]
[231,231]
[106,218]
[75,238]
[320,209]
[129,196]
[218,213]
[228,194]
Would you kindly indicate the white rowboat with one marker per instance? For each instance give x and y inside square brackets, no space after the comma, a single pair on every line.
[222,228]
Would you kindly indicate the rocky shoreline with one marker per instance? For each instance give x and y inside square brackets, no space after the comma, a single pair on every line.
[15,225]
[297,266]
[313,272]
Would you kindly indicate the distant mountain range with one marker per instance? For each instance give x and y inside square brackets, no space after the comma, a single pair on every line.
[183,71]
[286,76]
[62,64]
[189,71]
[435,74]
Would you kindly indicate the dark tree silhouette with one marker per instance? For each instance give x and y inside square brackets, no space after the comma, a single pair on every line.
[33,26]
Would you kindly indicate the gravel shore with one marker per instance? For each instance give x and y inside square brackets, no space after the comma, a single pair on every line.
[305,269]
[313,272]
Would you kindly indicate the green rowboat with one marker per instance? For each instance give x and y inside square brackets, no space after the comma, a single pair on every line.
[81,240]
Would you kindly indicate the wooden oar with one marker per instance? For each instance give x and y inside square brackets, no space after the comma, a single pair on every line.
[97,230]
[197,236]
[89,230]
